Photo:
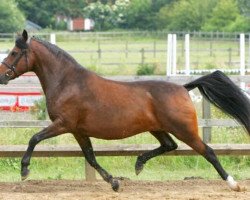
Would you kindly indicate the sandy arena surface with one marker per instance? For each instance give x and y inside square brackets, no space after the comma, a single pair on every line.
[134,190]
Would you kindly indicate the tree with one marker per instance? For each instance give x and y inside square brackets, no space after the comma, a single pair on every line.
[37,11]
[11,18]
[100,13]
[226,17]
[119,13]
[244,6]
[70,8]
[139,15]
[44,12]
[186,15]
[107,16]
[158,4]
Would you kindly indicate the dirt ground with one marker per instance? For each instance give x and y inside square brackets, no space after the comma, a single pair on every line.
[134,190]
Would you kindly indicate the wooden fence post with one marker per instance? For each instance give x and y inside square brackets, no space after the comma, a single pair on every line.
[89,172]
[206,114]
[99,51]
[142,56]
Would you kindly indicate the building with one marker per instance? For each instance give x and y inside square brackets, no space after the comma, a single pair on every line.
[31,26]
[80,24]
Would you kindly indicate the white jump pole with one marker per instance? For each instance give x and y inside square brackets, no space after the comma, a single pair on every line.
[174,49]
[187,54]
[53,38]
[242,58]
[169,54]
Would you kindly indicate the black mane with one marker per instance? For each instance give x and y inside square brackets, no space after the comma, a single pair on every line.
[55,50]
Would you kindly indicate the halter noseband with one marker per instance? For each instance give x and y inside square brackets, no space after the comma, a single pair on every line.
[12,68]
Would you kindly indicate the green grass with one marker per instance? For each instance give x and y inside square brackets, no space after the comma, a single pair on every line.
[160,168]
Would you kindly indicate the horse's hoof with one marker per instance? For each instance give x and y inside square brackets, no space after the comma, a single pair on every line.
[24,174]
[236,188]
[234,185]
[138,167]
[115,185]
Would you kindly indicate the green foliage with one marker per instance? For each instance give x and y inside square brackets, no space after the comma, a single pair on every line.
[107,16]
[244,6]
[40,109]
[61,25]
[11,18]
[99,13]
[146,69]
[44,12]
[158,4]
[139,15]
[225,17]
[207,15]
[136,14]
[177,15]
[119,13]
[185,15]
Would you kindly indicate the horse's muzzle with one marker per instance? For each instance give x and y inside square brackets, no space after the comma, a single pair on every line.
[4,79]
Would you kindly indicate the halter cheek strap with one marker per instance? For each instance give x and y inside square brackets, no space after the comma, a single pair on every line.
[12,68]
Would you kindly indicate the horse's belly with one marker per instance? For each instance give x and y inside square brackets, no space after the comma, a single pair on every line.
[111,133]
[119,126]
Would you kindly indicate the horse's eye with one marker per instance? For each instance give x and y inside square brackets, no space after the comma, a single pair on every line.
[13,53]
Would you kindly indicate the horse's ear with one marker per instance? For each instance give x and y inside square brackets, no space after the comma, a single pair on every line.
[25,35]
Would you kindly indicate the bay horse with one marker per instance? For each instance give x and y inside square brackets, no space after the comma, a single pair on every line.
[84,104]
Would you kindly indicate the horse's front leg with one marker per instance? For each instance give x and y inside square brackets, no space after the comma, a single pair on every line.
[88,152]
[56,128]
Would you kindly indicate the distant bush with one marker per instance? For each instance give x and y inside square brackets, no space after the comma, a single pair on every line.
[40,109]
[146,69]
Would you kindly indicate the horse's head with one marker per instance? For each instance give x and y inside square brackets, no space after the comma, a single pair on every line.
[17,62]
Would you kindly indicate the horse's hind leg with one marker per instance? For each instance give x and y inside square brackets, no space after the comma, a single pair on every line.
[180,119]
[88,152]
[193,140]
[167,144]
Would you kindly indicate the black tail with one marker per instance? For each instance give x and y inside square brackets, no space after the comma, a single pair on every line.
[224,94]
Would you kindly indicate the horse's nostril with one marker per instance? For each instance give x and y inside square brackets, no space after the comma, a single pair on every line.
[4,79]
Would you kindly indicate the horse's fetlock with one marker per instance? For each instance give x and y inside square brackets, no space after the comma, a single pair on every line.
[109,179]
[115,184]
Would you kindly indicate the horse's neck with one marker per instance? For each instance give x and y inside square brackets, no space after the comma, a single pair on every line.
[54,72]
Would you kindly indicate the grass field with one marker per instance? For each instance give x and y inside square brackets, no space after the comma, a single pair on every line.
[122,56]
[161,168]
